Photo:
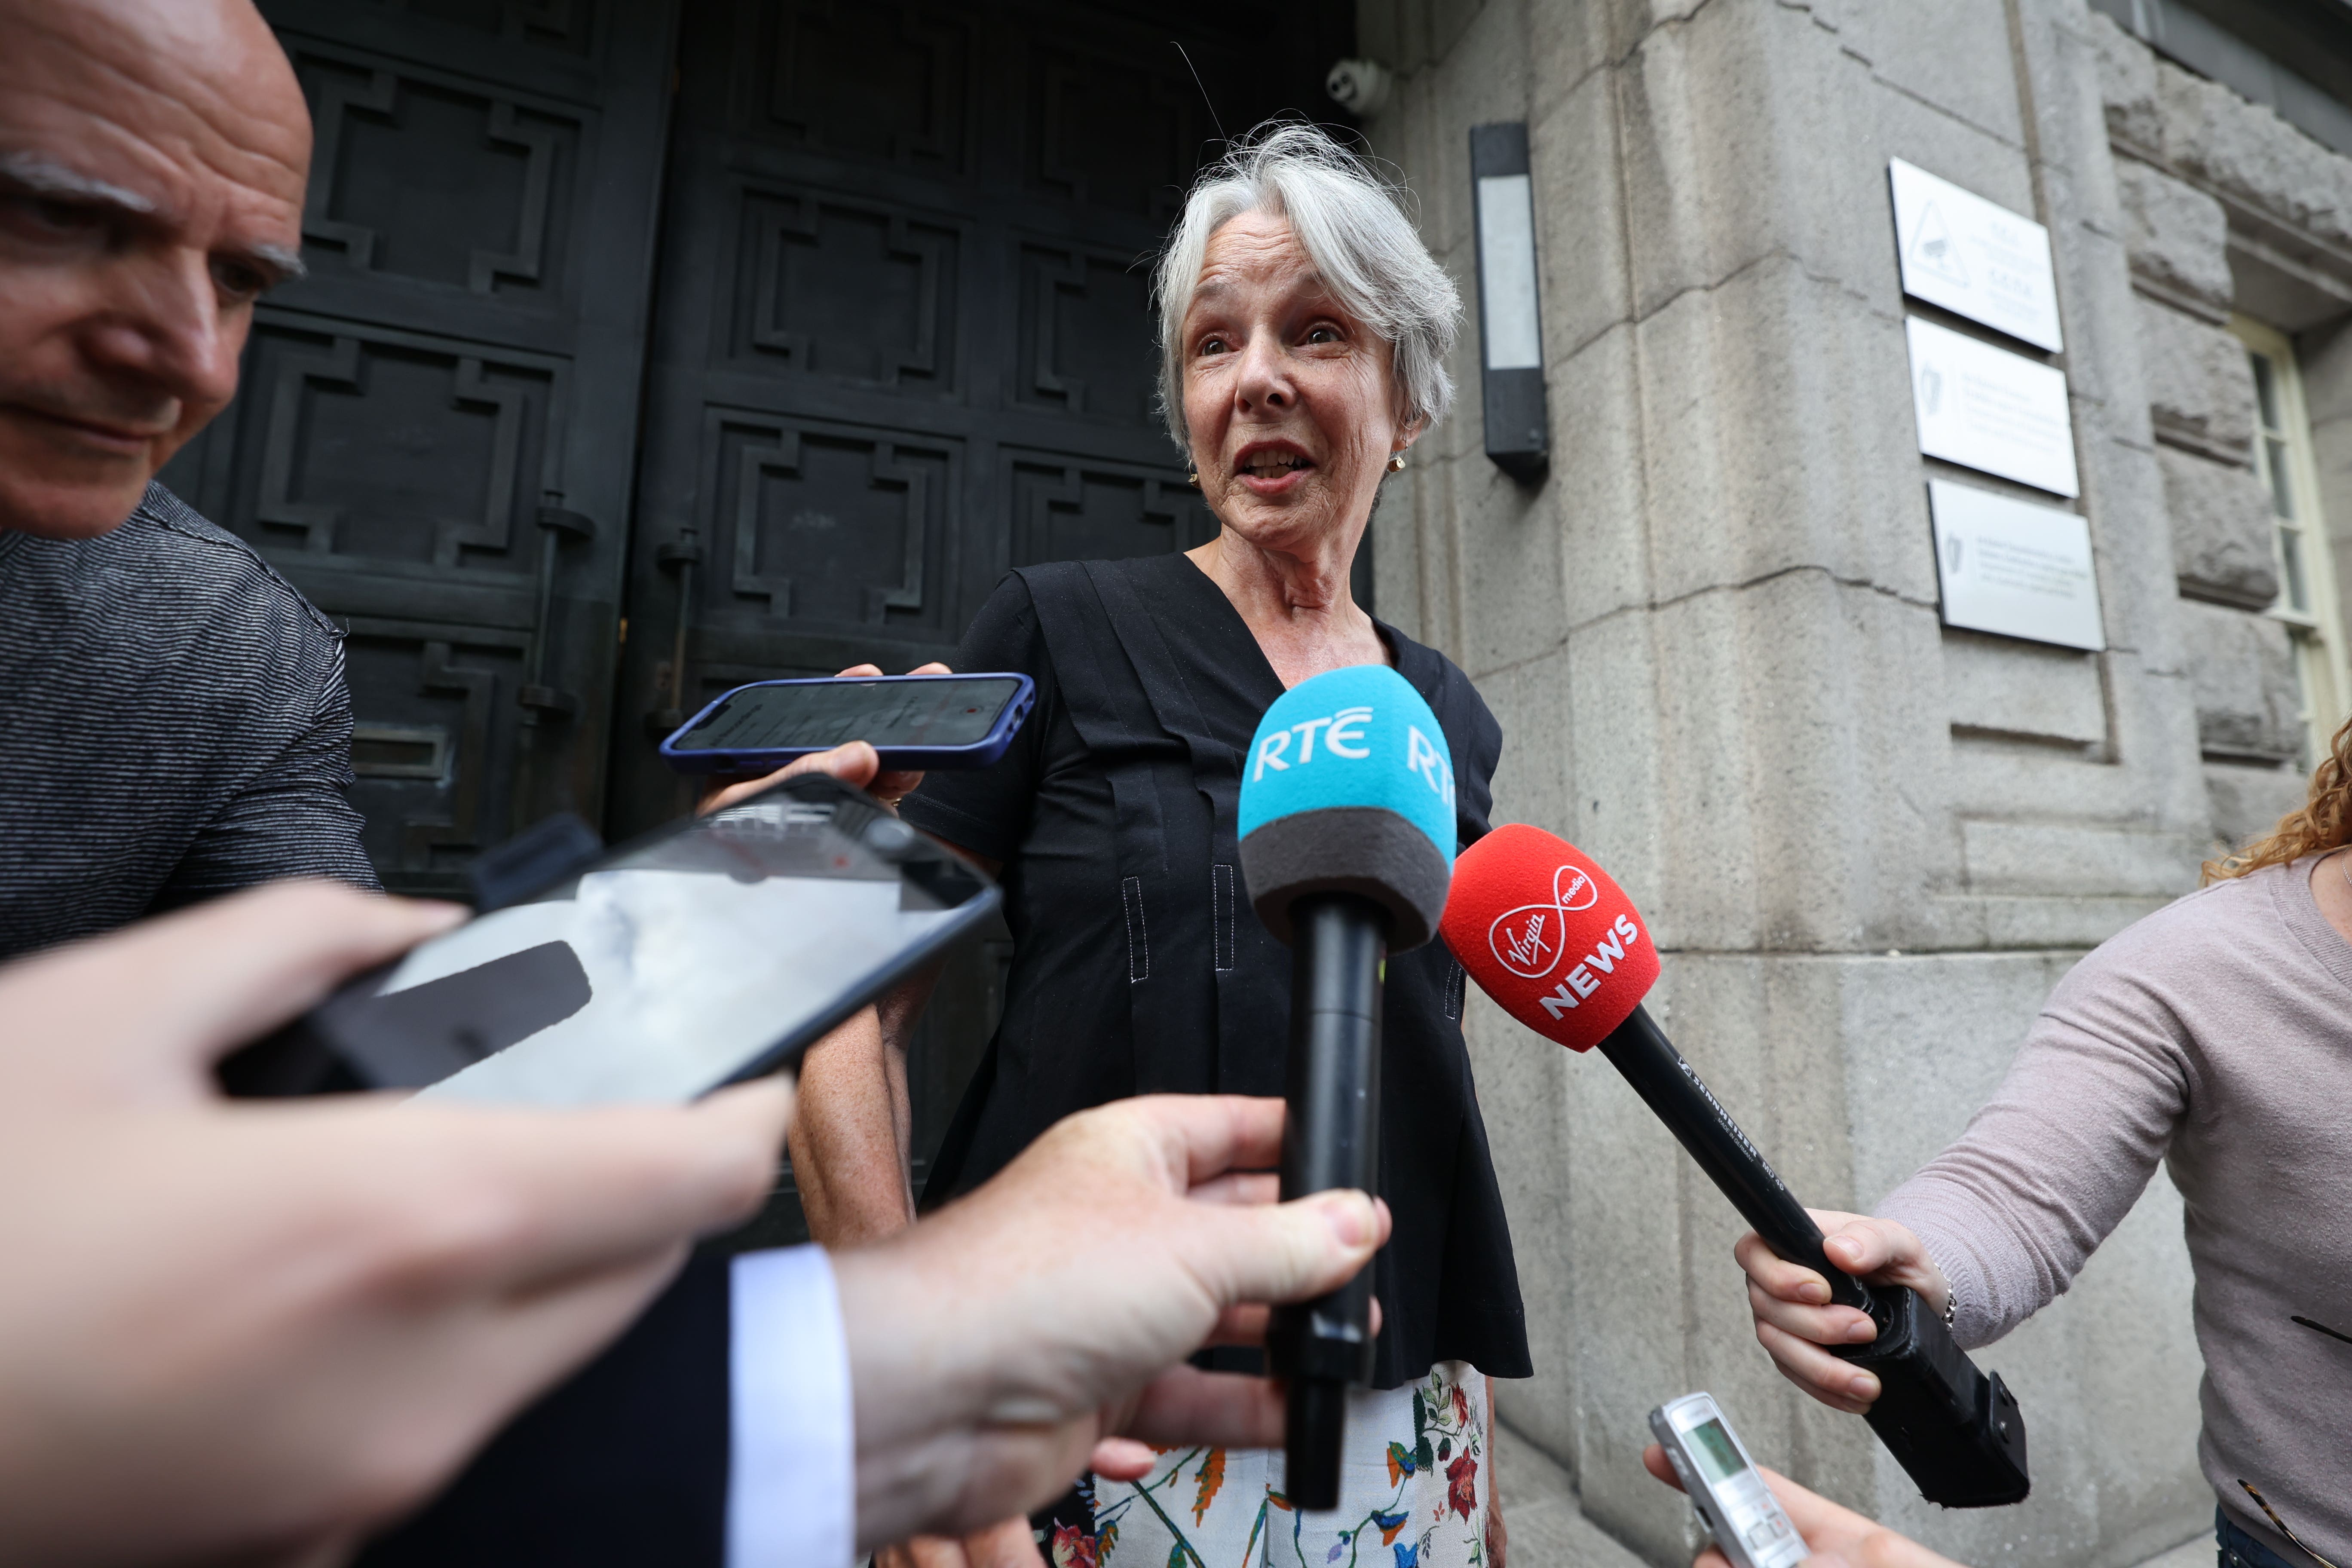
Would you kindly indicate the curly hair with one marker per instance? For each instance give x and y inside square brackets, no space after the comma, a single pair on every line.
[2323,822]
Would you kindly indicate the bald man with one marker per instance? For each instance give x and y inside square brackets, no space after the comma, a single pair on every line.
[178,724]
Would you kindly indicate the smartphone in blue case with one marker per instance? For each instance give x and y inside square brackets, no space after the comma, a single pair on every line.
[915,722]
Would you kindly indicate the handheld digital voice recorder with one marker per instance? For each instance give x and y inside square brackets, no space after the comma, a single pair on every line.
[1747,1521]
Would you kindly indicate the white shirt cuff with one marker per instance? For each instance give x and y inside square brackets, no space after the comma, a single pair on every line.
[792,1499]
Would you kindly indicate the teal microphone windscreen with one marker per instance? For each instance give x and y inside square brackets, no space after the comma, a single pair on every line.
[1347,788]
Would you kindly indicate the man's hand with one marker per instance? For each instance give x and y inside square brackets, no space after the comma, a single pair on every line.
[1792,1303]
[1839,1537]
[275,1325]
[1034,1328]
[855,764]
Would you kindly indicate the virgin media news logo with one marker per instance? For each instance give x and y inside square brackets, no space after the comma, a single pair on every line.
[1529,940]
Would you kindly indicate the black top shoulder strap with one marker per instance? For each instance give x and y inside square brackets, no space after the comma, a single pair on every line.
[1098,683]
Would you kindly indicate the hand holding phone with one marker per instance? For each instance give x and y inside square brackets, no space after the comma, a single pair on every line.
[855,763]
[1837,1537]
[912,721]
[1751,1528]
[242,1338]
[707,953]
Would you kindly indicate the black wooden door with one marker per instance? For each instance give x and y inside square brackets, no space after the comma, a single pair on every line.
[904,339]
[904,343]
[435,436]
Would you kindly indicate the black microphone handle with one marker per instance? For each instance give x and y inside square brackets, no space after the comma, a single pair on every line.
[1338,946]
[1956,1432]
[1640,1050]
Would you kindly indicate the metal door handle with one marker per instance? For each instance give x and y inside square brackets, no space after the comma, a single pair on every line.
[545,703]
[681,556]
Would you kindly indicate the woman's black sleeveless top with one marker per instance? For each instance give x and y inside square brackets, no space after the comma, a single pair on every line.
[1138,965]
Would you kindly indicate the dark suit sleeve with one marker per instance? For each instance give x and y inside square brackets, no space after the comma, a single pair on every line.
[622,1466]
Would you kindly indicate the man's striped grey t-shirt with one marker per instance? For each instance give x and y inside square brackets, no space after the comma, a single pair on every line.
[174,725]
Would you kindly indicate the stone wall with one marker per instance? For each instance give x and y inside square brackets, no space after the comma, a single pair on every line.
[2211,184]
[1867,844]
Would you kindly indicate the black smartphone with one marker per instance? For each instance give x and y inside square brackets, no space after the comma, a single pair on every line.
[712,950]
[915,722]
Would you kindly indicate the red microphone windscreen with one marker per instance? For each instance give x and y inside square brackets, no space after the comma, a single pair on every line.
[1546,933]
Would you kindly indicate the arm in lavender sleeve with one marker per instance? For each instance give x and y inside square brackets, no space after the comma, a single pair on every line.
[2053,1163]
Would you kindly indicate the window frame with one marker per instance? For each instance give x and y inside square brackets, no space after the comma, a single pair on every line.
[2323,683]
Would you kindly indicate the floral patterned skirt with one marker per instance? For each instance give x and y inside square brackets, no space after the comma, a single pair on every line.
[1413,1490]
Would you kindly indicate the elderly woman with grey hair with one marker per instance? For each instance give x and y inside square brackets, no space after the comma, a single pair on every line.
[1304,336]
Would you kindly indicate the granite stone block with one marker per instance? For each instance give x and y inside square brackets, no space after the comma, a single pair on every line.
[2221,530]
[2241,668]
[2177,236]
[2200,389]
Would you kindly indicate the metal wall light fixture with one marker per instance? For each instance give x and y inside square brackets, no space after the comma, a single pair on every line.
[1510,323]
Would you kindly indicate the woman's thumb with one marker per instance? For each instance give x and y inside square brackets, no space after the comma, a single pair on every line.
[1859,1247]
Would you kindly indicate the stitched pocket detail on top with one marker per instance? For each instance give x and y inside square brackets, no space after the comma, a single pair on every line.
[1221,914]
[1454,981]
[1138,943]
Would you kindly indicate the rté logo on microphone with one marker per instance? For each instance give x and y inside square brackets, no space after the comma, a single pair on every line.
[1342,735]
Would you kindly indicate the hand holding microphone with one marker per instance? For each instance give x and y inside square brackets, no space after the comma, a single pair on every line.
[1347,844]
[1547,934]
[1803,1329]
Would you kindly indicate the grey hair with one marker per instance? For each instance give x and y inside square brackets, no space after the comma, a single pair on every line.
[1353,225]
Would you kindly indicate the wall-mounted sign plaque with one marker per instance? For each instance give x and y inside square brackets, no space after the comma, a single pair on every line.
[2013,567]
[1974,256]
[1991,409]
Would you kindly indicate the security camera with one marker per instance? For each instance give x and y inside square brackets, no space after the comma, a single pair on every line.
[1360,86]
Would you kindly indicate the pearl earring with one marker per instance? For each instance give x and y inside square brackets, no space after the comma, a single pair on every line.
[1193,478]
[1396,462]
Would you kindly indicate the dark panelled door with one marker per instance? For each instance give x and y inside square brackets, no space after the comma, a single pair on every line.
[435,436]
[904,343]
[904,339]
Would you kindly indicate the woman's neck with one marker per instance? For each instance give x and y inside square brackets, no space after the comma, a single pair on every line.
[1298,606]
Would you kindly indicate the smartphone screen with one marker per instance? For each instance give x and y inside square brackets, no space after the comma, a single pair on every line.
[821,713]
[670,969]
